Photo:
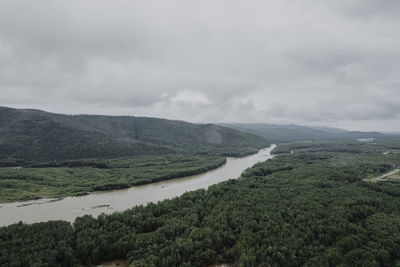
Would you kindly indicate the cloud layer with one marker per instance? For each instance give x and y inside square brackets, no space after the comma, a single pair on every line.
[279,61]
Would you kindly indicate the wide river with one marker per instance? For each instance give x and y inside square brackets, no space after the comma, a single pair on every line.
[118,200]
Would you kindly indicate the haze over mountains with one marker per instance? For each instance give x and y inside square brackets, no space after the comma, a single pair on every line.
[288,133]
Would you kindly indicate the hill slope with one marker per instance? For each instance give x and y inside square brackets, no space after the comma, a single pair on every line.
[34,135]
[288,133]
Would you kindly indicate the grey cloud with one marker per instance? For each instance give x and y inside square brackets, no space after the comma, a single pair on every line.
[368,8]
[320,62]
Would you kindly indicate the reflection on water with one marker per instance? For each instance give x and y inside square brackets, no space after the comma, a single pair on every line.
[118,200]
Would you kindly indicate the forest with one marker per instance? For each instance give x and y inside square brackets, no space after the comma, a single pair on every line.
[308,206]
[34,136]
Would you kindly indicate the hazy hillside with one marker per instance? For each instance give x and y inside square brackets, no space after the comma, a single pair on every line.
[287,133]
[41,136]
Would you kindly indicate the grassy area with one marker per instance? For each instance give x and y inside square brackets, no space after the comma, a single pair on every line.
[39,182]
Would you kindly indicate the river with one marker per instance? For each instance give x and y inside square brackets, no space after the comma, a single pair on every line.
[118,200]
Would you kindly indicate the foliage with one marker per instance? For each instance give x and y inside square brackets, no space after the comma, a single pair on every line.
[48,244]
[307,208]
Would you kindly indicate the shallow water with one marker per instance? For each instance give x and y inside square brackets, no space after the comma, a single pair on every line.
[118,200]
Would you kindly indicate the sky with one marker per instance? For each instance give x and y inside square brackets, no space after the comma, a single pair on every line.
[308,62]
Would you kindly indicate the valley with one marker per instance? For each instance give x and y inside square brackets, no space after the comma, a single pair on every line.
[159,200]
[199,133]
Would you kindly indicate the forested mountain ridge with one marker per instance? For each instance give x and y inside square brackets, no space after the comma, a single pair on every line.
[34,135]
[289,133]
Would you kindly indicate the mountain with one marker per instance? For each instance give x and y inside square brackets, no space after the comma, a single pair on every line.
[288,133]
[34,135]
[332,130]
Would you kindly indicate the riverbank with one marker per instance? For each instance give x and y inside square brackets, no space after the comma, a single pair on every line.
[107,202]
[23,184]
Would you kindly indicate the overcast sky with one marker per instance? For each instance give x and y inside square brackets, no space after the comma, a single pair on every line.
[312,62]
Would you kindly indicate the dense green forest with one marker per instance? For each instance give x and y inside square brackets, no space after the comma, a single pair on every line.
[310,207]
[29,136]
[68,178]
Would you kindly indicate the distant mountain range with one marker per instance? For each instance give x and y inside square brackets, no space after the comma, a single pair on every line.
[34,135]
[287,133]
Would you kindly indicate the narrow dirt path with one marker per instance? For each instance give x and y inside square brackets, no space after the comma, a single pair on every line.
[376,179]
